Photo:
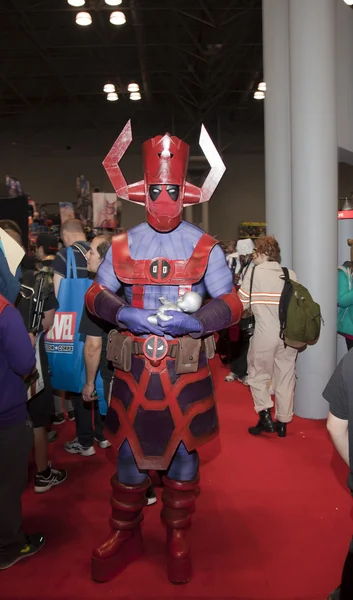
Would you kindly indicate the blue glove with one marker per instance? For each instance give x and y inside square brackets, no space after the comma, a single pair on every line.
[180,324]
[135,319]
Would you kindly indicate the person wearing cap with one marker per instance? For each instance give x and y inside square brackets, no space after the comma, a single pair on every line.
[47,247]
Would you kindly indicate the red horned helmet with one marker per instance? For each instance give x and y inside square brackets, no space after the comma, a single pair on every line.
[164,189]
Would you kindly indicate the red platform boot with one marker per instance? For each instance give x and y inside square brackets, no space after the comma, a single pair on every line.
[124,544]
[179,503]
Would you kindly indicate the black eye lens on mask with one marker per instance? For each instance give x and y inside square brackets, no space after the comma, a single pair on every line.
[154,191]
[173,191]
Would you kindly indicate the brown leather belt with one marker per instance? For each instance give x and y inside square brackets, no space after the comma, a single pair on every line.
[137,348]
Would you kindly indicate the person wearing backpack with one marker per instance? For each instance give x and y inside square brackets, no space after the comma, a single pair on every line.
[269,358]
[40,405]
[345,300]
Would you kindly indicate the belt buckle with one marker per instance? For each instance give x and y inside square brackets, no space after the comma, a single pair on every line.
[155,348]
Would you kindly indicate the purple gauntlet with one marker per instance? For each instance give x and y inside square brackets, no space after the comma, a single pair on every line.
[103,303]
[218,314]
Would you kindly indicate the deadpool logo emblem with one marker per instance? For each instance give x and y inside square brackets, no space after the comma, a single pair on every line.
[160,269]
[155,349]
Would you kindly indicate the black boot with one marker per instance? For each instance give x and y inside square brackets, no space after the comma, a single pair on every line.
[265,423]
[281,429]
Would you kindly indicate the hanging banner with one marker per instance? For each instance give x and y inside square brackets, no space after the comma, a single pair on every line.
[251,229]
[106,210]
[14,187]
[84,201]
[66,211]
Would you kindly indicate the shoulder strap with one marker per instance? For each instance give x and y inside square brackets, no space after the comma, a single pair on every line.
[251,284]
[81,248]
[70,264]
[286,274]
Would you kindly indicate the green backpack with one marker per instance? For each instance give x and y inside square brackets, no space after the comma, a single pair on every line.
[299,316]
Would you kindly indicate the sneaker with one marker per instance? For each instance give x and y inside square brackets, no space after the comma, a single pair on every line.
[71,415]
[75,447]
[33,544]
[58,419]
[103,443]
[151,496]
[230,377]
[44,484]
[52,436]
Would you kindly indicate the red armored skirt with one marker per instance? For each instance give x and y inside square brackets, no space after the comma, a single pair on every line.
[155,409]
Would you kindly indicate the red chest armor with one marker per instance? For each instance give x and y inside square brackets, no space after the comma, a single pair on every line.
[160,270]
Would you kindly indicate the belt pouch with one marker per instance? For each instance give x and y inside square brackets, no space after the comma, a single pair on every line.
[210,346]
[188,354]
[119,350]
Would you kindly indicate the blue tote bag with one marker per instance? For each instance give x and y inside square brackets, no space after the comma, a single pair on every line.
[64,344]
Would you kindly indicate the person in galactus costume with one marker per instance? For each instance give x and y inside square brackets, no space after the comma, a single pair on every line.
[162,406]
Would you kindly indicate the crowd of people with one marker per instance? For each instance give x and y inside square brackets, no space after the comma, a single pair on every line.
[257,356]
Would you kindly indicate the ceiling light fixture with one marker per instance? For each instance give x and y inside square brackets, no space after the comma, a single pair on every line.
[117,18]
[83,19]
[109,88]
[135,96]
[76,3]
[259,95]
[262,86]
[113,2]
[349,2]
[133,87]
[112,97]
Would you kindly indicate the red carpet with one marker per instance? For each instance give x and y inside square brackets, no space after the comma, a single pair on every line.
[273,520]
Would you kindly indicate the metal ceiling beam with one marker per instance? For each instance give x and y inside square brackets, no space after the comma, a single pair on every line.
[141,48]
[191,34]
[127,9]
[194,17]
[207,12]
[27,28]
[15,90]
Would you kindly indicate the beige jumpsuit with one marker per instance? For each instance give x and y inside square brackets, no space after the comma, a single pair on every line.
[268,358]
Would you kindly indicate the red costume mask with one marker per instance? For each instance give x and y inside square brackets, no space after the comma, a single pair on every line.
[164,190]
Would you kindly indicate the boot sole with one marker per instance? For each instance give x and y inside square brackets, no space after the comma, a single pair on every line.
[179,571]
[261,432]
[105,569]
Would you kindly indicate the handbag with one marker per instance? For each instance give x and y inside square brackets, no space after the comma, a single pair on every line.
[64,344]
[247,323]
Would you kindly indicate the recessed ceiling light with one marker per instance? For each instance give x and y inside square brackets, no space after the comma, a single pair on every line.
[83,18]
[108,88]
[112,97]
[262,86]
[259,95]
[113,2]
[133,87]
[135,96]
[76,3]
[117,18]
